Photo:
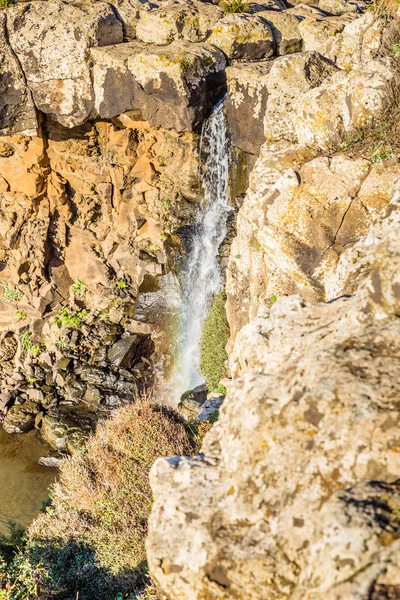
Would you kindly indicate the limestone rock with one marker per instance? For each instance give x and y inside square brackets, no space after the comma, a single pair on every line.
[261,96]
[294,493]
[16,106]
[285,29]
[173,87]
[244,37]
[51,41]
[193,22]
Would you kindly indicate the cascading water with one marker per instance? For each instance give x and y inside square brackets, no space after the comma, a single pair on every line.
[201,277]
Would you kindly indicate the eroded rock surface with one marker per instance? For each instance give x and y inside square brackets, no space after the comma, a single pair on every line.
[288,496]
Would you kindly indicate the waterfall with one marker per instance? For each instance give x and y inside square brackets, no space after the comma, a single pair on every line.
[201,277]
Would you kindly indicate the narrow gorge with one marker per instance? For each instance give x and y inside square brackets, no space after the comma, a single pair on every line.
[199,292]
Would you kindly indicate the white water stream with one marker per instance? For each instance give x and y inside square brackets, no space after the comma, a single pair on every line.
[201,278]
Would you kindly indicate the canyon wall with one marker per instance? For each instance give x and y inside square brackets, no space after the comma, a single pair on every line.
[295,493]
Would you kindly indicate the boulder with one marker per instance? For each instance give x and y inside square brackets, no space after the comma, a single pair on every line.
[192,401]
[173,87]
[122,353]
[342,105]
[246,104]
[243,37]
[17,111]
[261,95]
[209,410]
[20,418]
[51,40]
[66,428]
[192,22]
[285,30]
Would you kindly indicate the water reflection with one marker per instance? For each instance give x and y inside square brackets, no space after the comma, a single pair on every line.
[23,483]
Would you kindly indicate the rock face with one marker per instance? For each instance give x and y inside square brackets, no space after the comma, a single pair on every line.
[287,499]
[295,493]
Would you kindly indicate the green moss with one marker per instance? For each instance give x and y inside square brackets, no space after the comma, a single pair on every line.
[213,341]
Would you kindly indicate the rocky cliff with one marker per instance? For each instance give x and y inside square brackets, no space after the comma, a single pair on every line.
[296,494]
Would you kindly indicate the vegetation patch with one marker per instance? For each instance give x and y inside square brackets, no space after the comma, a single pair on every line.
[9,293]
[235,6]
[214,338]
[91,539]
[66,318]
[27,344]
[79,288]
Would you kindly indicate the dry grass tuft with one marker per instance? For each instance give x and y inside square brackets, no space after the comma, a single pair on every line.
[103,499]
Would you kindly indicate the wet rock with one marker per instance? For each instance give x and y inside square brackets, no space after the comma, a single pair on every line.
[66,428]
[49,461]
[122,353]
[20,418]
[210,408]
[191,401]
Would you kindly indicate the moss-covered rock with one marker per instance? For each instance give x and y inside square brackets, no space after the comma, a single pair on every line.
[213,341]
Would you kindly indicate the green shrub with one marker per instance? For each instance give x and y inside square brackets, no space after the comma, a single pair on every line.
[6,4]
[79,288]
[122,285]
[91,540]
[213,341]
[66,318]
[235,6]
[10,293]
[20,315]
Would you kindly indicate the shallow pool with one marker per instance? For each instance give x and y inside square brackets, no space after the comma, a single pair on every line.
[23,483]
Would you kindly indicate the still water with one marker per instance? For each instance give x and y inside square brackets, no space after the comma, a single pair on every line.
[23,483]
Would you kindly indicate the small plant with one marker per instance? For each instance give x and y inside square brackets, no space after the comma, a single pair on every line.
[66,318]
[235,6]
[221,389]
[381,155]
[10,293]
[166,202]
[35,350]
[154,248]
[27,344]
[272,300]
[6,3]
[237,256]
[61,344]
[20,315]
[395,49]
[254,243]
[214,417]
[122,285]
[79,288]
